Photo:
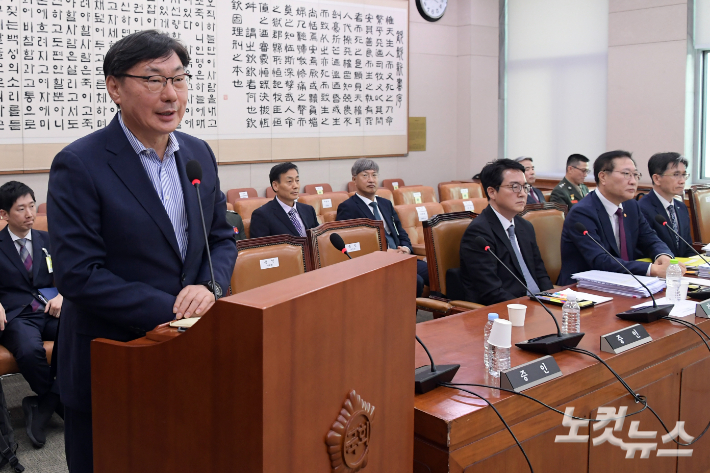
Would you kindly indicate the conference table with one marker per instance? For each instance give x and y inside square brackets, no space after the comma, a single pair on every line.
[456,431]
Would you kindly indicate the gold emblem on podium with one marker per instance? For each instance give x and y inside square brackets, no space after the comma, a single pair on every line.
[349,437]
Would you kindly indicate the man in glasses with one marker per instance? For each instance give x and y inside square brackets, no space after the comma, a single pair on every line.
[535,196]
[668,171]
[612,216]
[571,188]
[511,237]
[127,234]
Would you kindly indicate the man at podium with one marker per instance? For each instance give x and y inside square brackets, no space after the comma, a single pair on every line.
[126,225]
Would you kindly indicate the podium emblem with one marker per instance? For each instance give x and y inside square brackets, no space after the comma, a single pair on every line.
[349,437]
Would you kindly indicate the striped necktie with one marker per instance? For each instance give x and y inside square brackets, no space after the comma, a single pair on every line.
[295,222]
[27,261]
[674,222]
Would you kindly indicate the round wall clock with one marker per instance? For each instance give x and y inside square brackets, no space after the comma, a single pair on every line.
[432,10]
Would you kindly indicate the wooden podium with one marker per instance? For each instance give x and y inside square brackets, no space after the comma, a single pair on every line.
[260,383]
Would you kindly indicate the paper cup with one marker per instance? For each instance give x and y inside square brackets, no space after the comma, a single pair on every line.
[500,333]
[516,314]
[683,290]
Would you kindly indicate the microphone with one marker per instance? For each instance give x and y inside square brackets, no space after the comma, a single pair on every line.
[547,344]
[194,175]
[662,221]
[426,379]
[640,314]
[337,241]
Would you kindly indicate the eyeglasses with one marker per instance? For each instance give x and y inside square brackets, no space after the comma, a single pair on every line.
[584,171]
[628,175]
[157,83]
[677,175]
[517,188]
[529,168]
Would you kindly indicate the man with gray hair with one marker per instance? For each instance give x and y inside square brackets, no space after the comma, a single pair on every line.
[365,204]
[535,195]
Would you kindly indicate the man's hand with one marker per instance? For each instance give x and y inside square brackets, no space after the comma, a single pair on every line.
[663,259]
[659,267]
[403,249]
[3,318]
[54,306]
[193,301]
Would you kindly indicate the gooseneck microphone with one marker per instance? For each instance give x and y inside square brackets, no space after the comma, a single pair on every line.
[640,314]
[547,344]
[427,378]
[337,241]
[194,175]
[662,221]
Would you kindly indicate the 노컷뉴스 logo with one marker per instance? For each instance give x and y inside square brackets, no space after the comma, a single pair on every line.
[645,444]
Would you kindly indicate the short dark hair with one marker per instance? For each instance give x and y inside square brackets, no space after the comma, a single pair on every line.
[575,159]
[278,170]
[492,173]
[11,191]
[605,162]
[660,162]
[142,46]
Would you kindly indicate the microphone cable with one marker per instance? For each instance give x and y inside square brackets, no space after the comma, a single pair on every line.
[691,326]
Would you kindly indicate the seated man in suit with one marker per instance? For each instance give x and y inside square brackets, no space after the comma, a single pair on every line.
[365,204]
[25,319]
[571,188]
[535,195]
[484,280]
[612,216]
[668,171]
[283,215]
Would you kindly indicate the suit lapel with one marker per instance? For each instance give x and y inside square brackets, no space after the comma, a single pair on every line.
[128,167]
[8,247]
[281,215]
[502,235]
[606,227]
[304,218]
[363,208]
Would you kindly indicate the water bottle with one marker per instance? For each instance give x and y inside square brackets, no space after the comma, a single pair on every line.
[673,277]
[571,322]
[486,345]
[500,360]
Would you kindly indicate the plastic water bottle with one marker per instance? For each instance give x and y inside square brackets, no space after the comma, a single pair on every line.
[571,322]
[673,277]
[486,345]
[500,360]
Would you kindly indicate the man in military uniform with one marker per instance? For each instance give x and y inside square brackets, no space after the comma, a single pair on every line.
[571,188]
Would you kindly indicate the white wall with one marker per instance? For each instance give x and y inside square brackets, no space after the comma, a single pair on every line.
[556,82]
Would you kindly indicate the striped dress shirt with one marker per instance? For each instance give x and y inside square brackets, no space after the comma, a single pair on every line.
[166,181]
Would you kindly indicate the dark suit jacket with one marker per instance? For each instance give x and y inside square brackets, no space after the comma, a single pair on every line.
[16,287]
[651,206]
[354,207]
[270,219]
[485,281]
[539,195]
[580,253]
[117,261]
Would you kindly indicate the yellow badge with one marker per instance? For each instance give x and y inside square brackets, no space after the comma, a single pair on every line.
[571,196]
[48,258]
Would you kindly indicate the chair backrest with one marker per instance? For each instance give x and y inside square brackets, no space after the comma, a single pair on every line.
[392,184]
[465,205]
[381,192]
[230,207]
[329,216]
[364,234]
[3,224]
[413,195]
[261,261]
[413,216]
[546,193]
[548,219]
[42,208]
[460,190]
[317,188]
[41,223]
[243,193]
[245,207]
[324,203]
[699,200]
[442,238]
[351,187]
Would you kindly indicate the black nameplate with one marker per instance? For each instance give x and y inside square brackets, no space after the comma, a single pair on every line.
[703,309]
[530,374]
[624,339]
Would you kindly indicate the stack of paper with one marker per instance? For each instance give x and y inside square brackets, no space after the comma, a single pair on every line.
[617,283]
[704,271]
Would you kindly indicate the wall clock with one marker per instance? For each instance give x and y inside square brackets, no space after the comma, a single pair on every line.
[432,10]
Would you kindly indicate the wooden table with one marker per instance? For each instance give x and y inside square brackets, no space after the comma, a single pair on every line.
[455,431]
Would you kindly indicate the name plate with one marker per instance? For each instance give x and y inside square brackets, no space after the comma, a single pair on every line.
[530,374]
[352,247]
[243,195]
[701,310]
[269,263]
[327,203]
[624,339]
[468,206]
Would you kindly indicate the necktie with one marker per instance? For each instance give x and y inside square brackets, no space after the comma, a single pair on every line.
[674,222]
[534,195]
[622,235]
[529,280]
[27,261]
[378,216]
[295,222]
